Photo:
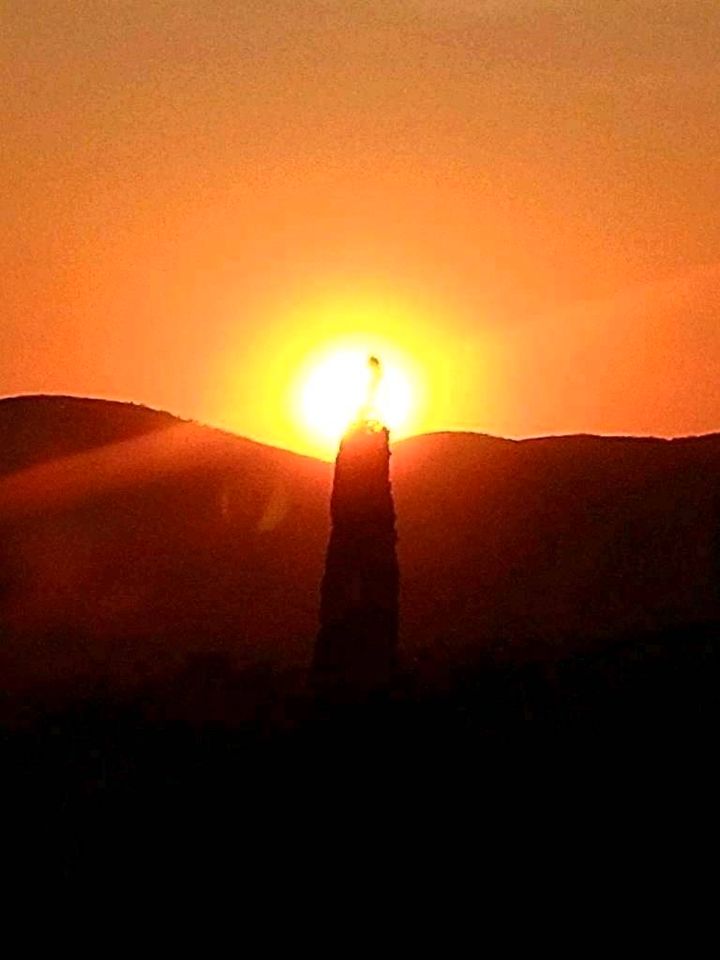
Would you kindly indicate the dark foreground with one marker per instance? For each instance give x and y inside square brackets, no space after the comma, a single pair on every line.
[143,787]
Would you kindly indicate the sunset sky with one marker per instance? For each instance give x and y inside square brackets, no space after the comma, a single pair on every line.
[519,197]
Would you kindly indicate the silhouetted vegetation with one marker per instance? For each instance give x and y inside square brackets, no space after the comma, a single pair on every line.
[106,773]
[357,643]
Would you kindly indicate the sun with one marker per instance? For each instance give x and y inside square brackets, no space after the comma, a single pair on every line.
[334,391]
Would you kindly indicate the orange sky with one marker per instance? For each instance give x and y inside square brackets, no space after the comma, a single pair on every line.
[523,196]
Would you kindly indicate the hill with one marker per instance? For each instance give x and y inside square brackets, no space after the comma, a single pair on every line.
[545,542]
[131,540]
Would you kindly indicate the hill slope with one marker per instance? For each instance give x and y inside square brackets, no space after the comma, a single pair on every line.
[130,539]
[558,539]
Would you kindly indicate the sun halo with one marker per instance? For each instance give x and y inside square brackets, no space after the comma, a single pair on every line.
[333,391]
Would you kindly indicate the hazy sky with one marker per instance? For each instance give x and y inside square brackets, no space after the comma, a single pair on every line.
[524,195]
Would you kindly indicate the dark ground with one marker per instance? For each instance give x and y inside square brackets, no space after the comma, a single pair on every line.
[168,779]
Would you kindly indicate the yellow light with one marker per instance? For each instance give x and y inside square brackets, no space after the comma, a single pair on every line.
[305,377]
[334,390]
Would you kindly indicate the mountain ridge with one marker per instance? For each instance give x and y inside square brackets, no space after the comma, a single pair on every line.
[132,538]
[60,400]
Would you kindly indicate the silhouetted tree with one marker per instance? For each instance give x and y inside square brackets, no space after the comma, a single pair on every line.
[357,643]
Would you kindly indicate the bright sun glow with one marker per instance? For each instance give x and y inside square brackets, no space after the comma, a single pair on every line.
[306,378]
[335,389]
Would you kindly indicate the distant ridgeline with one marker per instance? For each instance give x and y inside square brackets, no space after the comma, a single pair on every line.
[130,540]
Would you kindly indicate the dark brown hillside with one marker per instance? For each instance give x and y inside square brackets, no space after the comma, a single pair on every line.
[131,539]
[554,540]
